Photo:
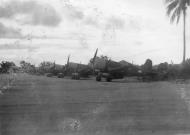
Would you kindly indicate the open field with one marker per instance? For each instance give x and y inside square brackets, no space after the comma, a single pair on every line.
[37,105]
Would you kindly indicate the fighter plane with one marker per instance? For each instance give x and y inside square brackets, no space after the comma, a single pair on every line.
[110,70]
[78,70]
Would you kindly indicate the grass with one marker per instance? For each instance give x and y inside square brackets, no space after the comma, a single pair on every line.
[37,105]
[6,81]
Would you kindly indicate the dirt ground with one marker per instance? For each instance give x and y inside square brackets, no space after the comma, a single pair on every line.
[38,105]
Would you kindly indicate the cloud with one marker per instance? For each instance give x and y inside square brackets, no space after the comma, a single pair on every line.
[102,22]
[8,32]
[134,24]
[37,14]
[83,42]
[115,22]
[138,43]
[112,24]
[17,46]
[91,21]
[72,12]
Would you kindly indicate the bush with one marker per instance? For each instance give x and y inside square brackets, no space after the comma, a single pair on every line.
[5,66]
[185,70]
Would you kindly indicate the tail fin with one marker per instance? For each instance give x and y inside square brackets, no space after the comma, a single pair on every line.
[68,60]
[67,65]
[94,58]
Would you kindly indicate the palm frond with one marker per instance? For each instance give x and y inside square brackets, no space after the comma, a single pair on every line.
[175,15]
[178,15]
[175,8]
[171,6]
[188,2]
[168,1]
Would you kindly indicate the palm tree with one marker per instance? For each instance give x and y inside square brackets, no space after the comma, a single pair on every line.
[174,9]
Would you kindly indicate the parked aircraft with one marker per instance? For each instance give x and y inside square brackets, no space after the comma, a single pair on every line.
[78,70]
[110,70]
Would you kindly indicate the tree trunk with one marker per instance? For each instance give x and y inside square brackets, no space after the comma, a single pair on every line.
[184,35]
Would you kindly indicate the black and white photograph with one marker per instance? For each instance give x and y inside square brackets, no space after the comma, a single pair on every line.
[94,67]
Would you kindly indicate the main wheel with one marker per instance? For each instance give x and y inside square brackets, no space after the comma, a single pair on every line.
[75,76]
[108,79]
[98,78]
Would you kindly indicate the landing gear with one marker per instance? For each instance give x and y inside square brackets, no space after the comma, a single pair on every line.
[107,76]
[108,79]
[75,76]
[98,78]
[60,75]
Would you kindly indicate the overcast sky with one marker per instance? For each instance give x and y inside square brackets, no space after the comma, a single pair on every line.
[131,30]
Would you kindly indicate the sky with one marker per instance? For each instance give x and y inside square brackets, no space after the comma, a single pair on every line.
[50,30]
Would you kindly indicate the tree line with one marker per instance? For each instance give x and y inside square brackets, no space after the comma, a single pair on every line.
[164,70]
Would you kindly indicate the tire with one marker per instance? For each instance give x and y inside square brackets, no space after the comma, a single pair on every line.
[77,77]
[98,78]
[108,79]
[60,76]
